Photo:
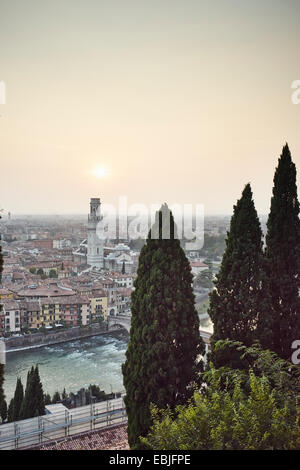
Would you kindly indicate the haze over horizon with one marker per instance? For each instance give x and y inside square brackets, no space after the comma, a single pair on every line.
[162,101]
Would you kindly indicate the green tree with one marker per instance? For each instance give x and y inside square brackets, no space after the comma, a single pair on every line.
[123,268]
[56,397]
[40,272]
[162,356]
[3,411]
[222,419]
[279,323]
[235,301]
[10,411]
[52,273]
[47,399]
[33,403]
[204,279]
[283,377]
[18,400]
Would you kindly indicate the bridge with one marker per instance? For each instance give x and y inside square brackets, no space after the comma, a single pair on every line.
[124,321]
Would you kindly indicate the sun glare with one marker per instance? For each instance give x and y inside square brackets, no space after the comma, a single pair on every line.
[100,172]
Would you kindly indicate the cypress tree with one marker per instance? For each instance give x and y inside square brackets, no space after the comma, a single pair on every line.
[235,301]
[279,324]
[27,404]
[34,402]
[18,399]
[56,397]
[10,411]
[3,411]
[38,394]
[162,359]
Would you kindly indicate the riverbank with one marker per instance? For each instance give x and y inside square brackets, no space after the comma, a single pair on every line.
[39,340]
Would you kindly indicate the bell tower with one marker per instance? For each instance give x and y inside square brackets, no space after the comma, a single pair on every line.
[95,244]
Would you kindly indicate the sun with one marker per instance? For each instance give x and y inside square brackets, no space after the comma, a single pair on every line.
[100,172]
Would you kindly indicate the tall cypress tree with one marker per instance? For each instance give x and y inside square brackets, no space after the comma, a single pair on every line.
[235,301]
[34,402]
[162,359]
[3,411]
[279,324]
[18,399]
[10,411]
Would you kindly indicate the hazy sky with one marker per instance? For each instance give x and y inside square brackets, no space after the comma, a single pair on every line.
[177,101]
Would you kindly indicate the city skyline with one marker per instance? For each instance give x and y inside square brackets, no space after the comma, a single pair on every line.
[163,102]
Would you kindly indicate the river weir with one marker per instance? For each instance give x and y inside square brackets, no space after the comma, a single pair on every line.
[71,365]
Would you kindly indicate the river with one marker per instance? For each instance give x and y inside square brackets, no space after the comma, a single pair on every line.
[75,364]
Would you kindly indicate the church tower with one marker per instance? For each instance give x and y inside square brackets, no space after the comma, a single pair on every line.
[95,244]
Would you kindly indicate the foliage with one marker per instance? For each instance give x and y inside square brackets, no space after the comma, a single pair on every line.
[56,397]
[3,411]
[235,301]
[204,279]
[162,359]
[222,418]
[10,411]
[279,323]
[33,403]
[18,400]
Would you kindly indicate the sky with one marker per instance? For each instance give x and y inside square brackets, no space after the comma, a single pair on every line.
[159,101]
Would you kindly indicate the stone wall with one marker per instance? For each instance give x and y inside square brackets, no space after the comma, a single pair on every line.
[42,339]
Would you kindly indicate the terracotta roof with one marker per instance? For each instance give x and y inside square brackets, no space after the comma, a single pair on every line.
[114,438]
[198,264]
[74,299]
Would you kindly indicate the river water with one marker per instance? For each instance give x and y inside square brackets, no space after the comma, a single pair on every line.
[72,365]
[75,364]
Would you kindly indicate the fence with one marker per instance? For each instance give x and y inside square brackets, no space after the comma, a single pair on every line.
[27,433]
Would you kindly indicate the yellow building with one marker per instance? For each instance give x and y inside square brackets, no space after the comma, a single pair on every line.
[5,294]
[98,304]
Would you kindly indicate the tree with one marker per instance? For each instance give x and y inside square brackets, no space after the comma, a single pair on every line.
[40,272]
[236,299]
[18,400]
[10,411]
[204,279]
[32,270]
[222,419]
[47,399]
[56,397]
[279,323]
[52,273]
[283,377]
[162,359]
[123,268]
[33,403]
[3,411]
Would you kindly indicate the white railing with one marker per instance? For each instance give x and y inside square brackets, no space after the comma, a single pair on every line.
[33,431]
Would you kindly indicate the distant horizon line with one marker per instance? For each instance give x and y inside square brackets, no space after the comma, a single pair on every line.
[78,214]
